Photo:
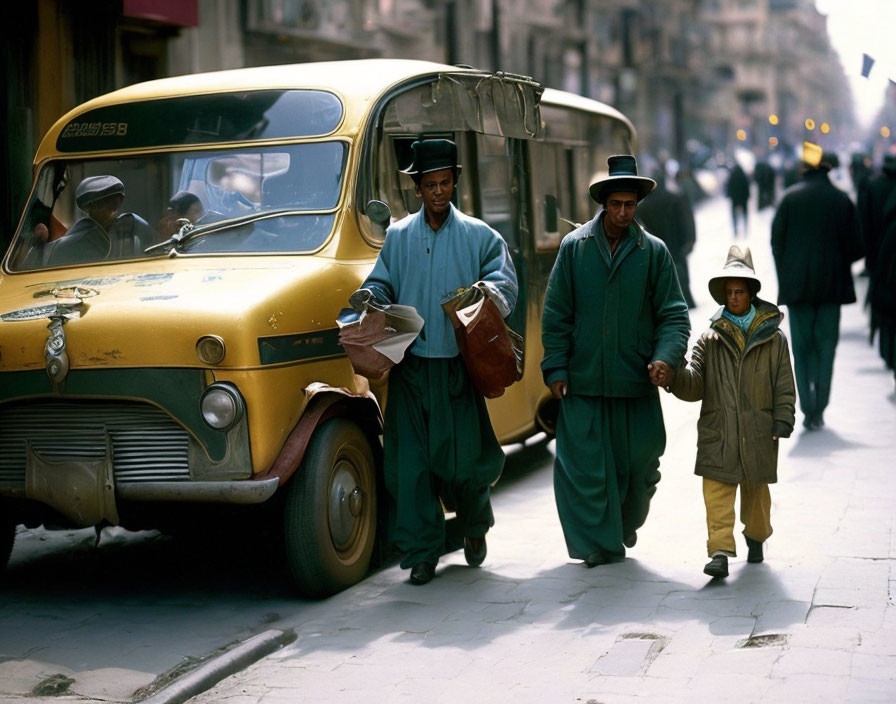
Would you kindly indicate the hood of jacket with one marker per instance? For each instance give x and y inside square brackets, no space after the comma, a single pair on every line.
[767,321]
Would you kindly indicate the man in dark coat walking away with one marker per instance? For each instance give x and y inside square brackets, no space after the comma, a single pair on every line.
[614,326]
[738,191]
[815,239]
[668,215]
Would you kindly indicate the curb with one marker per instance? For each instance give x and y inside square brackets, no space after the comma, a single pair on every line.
[225,665]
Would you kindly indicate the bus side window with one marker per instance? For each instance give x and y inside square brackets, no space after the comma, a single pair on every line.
[496,187]
[552,194]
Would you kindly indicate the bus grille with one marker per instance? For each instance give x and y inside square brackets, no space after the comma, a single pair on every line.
[146,444]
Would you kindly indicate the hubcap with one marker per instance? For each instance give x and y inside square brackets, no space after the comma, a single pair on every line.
[346,505]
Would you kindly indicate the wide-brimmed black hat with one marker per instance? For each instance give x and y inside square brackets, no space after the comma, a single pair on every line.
[94,188]
[432,155]
[623,176]
[738,265]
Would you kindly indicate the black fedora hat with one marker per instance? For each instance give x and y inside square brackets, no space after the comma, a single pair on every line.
[623,176]
[432,155]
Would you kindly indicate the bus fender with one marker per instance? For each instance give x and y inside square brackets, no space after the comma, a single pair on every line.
[325,402]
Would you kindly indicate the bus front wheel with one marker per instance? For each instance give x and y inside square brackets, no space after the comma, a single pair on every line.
[329,517]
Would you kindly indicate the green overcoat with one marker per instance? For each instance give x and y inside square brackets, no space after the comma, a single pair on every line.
[746,386]
[606,318]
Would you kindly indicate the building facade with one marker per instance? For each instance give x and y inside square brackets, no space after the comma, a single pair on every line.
[691,74]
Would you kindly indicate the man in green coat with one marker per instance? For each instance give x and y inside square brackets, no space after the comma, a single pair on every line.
[614,323]
[740,370]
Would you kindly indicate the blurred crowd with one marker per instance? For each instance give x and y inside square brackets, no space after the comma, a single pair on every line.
[869,186]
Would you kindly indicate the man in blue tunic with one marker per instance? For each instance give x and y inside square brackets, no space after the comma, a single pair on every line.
[615,324]
[438,440]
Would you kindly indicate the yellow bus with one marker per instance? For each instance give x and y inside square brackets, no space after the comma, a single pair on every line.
[168,356]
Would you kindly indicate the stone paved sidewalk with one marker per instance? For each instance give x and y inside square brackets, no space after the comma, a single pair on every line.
[815,622]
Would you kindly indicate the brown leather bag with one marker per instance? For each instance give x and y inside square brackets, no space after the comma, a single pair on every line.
[492,352]
[358,339]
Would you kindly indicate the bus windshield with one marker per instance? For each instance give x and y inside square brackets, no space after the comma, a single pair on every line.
[265,199]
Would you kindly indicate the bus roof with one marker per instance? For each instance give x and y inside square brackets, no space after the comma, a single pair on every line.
[360,83]
[578,102]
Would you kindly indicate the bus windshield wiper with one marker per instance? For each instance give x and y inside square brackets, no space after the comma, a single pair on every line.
[188,230]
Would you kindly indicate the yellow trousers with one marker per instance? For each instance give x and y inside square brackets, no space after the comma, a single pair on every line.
[755,514]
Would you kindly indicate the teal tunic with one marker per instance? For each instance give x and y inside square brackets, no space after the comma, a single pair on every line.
[606,317]
[421,268]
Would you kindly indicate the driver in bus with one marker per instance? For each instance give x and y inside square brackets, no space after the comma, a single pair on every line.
[100,197]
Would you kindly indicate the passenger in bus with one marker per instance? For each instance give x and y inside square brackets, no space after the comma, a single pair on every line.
[100,197]
[438,439]
[615,324]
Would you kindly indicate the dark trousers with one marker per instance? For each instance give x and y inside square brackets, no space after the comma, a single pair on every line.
[814,333]
[739,216]
[438,446]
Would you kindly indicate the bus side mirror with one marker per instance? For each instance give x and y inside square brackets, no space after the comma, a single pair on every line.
[551,215]
[380,216]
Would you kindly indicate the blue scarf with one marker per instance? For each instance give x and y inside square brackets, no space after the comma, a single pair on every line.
[742,321]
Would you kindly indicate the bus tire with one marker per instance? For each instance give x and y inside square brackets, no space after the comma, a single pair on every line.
[329,513]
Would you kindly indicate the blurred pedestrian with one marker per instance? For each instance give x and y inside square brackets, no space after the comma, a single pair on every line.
[764,176]
[793,172]
[871,201]
[738,191]
[879,226]
[815,239]
[860,172]
[614,321]
[740,371]
[668,215]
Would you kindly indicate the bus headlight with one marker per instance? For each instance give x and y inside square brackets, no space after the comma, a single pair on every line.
[222,406]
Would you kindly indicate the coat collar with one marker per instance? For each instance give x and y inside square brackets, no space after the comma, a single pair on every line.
[767,321]
[596,227]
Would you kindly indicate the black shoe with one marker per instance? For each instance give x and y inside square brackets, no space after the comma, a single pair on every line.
[474,551]
[594,559]
[630,540]
[717,566]
[754,550]
[422,572]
